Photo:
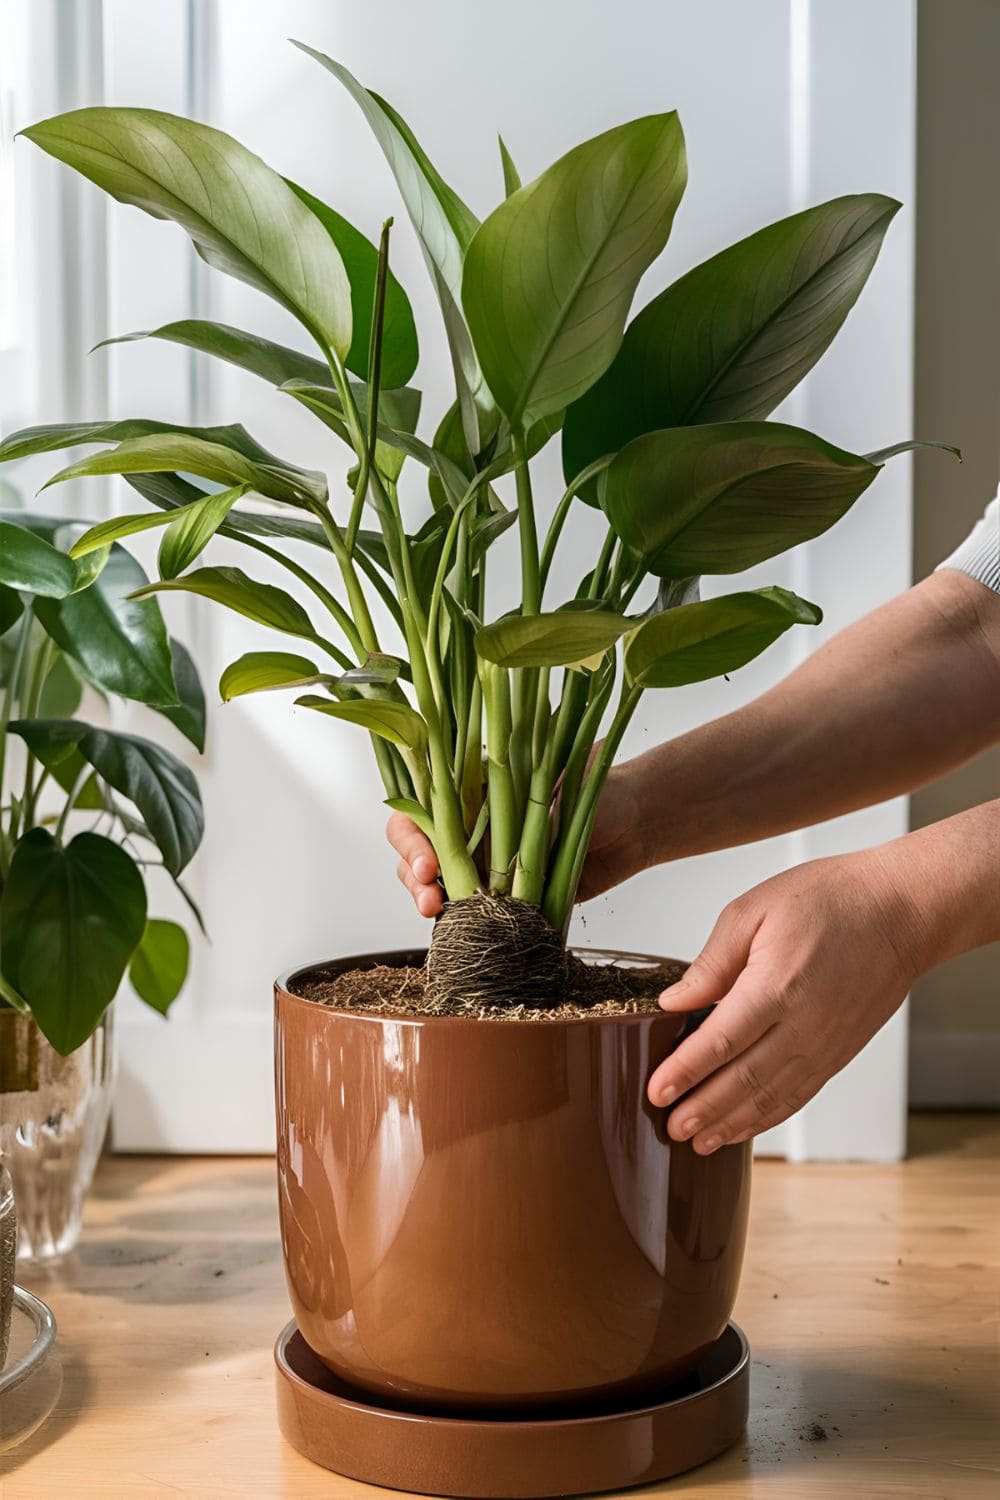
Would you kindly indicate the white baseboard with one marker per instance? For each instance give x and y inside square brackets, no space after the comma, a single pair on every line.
[955,1069]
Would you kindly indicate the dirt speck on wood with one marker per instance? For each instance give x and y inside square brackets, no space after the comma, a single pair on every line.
[600,989]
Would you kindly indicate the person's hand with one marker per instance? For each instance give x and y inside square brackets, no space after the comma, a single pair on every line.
[802,971]
[615,850]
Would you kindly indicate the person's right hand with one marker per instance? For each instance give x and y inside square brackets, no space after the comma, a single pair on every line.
[615,850]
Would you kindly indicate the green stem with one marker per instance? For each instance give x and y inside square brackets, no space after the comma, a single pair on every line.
[10,691]
[502,795]
[71,797]
[562,511]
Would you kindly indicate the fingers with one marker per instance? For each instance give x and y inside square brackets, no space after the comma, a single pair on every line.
[418,867]
[718,965]
[761,1088]
[735,1024]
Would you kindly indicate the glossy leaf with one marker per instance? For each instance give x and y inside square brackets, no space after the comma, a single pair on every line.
[444,227]
[232,587]
[722,497]
[55,436]
[550,275]
[189,714]
[11,608]
[115,529]
[567,637]
[71,918]
[696,641]
[360,257]
[242,216]
[190,532]
[62,690]
[396,722]
[119,643]
[272,362]
[167,452]
[728,341]
[33,565]
[170,492]
[159,965]
[262,671]
[161,787]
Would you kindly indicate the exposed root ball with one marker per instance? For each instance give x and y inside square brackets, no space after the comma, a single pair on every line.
[490,950]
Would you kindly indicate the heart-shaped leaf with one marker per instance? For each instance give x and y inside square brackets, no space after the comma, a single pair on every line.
[550,275]
[360,257]
[696,641]
[728,341]
[564,638]
[159,965]
[723,497]
[120,644]
[71,919]
[396,722]
[444,227]
[162,788]
[242,216]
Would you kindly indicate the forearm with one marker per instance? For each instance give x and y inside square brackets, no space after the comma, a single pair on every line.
[946,882]
[891,703]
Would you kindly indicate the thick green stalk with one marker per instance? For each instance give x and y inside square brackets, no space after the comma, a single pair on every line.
[572,850]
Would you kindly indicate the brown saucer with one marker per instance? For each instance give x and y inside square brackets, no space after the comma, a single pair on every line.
[482,1456]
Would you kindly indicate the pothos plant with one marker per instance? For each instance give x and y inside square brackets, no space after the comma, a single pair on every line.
[86,811]
[477,722]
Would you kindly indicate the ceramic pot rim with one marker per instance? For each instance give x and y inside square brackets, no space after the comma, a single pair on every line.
[400,957]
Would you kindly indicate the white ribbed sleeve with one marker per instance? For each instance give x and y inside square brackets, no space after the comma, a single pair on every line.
[979,554]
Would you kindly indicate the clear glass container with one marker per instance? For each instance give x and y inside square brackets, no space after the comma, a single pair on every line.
[8,1248]
[53,1119]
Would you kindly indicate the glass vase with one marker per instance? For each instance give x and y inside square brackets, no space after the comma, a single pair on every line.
[8,1247]
[53,1119]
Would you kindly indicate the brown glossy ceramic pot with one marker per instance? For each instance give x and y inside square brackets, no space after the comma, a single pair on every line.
[487,1215]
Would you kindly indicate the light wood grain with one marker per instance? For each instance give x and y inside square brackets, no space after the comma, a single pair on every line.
[871,1298]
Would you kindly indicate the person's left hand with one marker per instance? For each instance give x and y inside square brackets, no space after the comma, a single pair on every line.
[802,971]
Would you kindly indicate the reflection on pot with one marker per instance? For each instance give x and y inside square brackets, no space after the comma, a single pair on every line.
[8,1245]
[53,1118]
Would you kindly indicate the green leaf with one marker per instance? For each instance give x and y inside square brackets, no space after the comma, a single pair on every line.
[550,275]
[232,587]
[71,917]
[190,532]
[160,786]
[912,445]
[116,528]
[728,341]
[170,492]
[242,216]
[33,565]
[360,257]
[262,671]
[272,362]
[119,644]
[61,691]
[396,722]
[56,436]
[171,451]
[444,227]
[189,714]
[511,176]
[566,638]
[11,608]
[726,496]
[415,812]
[697,641]
[159,965]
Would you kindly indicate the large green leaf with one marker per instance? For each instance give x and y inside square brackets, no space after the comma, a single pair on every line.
[55,436]
[697,641]
[189,714]
[159,965]
[232,587]
[567,637]
[242,216]
[33,565]
[120,644]
[728,341]
[728,495]
[273,362]
[396,722]
[11,608]
[161,786]
[444,226]
[173,451]
[71,919]
[550,275]
[360,257]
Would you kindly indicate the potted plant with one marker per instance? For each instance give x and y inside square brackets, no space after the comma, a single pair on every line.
[480,1209]
[87,812]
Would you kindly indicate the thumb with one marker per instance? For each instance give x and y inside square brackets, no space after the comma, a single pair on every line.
[716,969]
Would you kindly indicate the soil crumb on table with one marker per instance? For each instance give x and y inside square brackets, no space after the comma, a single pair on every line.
[598,989]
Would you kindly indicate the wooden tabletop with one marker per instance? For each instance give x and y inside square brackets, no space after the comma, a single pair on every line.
[871,1298]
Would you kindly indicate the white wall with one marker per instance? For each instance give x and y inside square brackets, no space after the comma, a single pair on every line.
[783,103]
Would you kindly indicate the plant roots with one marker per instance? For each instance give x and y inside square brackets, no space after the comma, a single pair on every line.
[492,950]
